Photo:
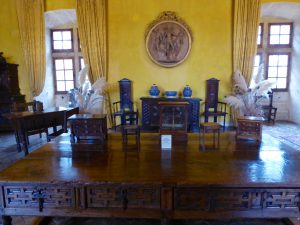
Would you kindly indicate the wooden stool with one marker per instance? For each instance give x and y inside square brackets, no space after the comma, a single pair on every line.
[131,130]
[210,127]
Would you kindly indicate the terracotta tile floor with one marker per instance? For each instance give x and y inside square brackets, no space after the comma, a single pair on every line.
[9,154]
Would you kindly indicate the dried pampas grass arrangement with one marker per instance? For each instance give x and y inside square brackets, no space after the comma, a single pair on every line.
[248,101]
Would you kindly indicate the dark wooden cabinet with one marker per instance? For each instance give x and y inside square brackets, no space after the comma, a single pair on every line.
[174,119]
[151,115]
[9,90]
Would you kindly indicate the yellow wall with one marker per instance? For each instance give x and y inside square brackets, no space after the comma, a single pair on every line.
[268,1]
[10,37]
[210,56]
[59,4]
[10,40]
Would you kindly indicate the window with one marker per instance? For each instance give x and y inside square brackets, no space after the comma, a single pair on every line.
[62,40]
[260,35]
[280,35]
[275,52]
[257,62]
[64,74]
[66,58]
[278,69]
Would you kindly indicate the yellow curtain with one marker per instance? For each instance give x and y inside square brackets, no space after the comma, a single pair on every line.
[91,16]
[92,29]
[31,21]
[246,21]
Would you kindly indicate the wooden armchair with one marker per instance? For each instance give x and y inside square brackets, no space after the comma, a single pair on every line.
[269,113]
[215,111]
[212,106]
[118,111]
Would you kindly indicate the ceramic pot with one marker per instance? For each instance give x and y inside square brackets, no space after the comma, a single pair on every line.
[187,91]
[154,91]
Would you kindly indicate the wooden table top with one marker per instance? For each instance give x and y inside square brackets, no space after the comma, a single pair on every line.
[270,164]
[15,115]
[87,116]
[251,118]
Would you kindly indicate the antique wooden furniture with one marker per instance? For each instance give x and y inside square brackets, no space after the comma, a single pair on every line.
[249,127]
[174,119]
[9,90]
[210,127]
[239,180]
[29,106]
[88,127]
[269,110]
[119,112]
[26,122]
[150,112]
[125,103]
[212,106]
[131,127]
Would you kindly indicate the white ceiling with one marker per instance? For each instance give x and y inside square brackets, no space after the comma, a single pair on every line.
[288,10]
[60,18]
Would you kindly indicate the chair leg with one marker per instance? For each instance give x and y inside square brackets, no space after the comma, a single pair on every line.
[202,138]
[214,137]
[218,138]
[114,123]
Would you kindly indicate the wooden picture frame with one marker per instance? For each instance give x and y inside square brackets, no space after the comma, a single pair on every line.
[168,40]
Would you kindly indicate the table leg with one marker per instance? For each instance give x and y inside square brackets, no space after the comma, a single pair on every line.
[6,220]
[165,221]
[18,141]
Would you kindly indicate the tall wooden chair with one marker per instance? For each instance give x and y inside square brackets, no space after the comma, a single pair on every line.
[212,106]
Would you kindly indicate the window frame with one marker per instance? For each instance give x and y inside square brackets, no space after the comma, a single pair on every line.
[61,50]
[288,70]
[75,55]
[261,35]
[54,73]
[260,61]
[280,45]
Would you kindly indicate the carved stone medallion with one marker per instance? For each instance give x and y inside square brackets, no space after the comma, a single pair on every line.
[168,40]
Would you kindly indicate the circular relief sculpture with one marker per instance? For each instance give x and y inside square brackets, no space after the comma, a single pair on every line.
[168,40]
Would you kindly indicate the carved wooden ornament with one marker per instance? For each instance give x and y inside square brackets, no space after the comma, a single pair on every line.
[168,40]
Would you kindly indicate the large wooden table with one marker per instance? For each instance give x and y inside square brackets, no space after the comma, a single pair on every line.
[238,180]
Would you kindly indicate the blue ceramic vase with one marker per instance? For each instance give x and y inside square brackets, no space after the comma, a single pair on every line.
[187,92]
[154,91]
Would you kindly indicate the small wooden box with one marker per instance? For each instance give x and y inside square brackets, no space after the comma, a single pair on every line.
[249,127]
[88,126]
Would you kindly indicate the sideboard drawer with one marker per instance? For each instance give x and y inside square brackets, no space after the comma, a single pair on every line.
[42,196]
[119,196]
[236,199]
[191,198]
